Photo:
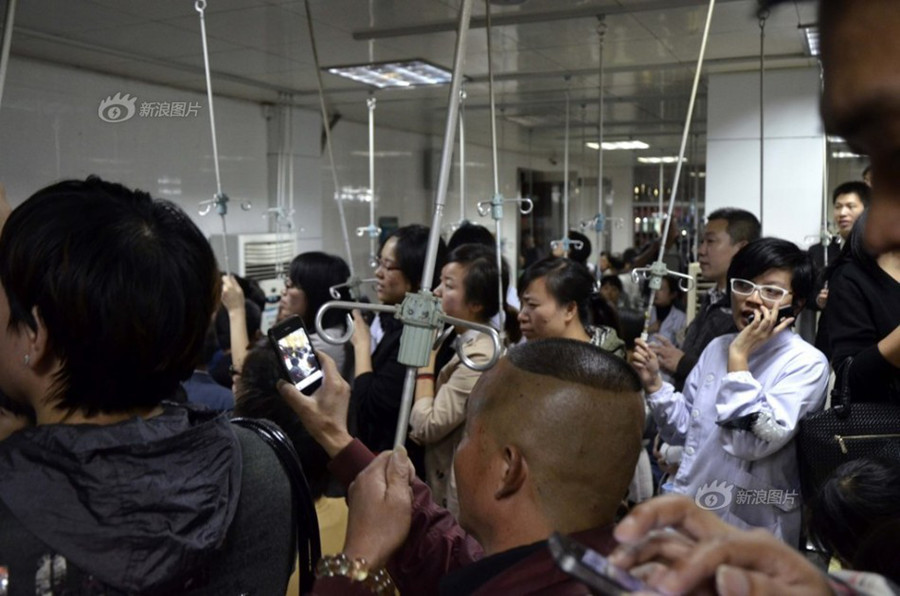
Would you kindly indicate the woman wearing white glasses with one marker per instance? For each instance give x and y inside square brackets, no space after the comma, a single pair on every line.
[741,404]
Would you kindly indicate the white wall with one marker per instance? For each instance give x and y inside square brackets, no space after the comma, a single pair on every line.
[793,151]
[50,130]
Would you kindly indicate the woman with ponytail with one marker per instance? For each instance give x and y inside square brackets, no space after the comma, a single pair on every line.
[558,300]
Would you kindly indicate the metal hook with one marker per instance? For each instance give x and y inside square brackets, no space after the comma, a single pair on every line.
[353,284]
[372,230]
[200,6]
[486,329]
[349,306]
[567,243]
[441,337]
[416,319]
[686,283]
[495,206]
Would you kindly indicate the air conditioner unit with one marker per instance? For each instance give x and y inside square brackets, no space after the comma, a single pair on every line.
[256,256]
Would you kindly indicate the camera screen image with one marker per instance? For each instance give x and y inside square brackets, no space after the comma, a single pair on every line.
[299,359]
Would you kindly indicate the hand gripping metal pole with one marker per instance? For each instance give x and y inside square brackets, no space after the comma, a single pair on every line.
[220,199]
[658,270]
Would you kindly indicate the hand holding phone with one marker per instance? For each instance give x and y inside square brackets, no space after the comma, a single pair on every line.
[783,313]
[296,355]
[592,568]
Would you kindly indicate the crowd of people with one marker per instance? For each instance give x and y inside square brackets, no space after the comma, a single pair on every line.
[122,473]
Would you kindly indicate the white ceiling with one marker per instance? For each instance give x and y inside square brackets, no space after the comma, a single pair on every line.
[261,48]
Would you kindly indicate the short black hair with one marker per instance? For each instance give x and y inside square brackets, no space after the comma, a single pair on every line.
[480,283]
[315,273]
[582,254]
[674,286]
[859,497]
[612,280]
[566,280]
[258,397]
[855,250]
[759,256]
[471,233]
[575,361]
[855,187]
[126,286]
[411,251]
[743,226]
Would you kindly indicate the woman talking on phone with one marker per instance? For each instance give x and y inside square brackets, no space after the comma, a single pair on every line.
[741,404]
[468,291]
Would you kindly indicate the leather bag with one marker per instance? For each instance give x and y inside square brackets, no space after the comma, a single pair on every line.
[845,432]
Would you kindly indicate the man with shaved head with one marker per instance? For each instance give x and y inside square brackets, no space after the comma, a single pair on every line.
[553,433]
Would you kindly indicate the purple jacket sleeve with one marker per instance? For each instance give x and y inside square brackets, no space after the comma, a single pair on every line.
[435,546]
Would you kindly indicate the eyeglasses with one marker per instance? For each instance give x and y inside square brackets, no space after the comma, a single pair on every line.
[386,265]
[773,294]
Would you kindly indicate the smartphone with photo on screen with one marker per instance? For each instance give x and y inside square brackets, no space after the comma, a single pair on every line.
[296,355]
[592,568]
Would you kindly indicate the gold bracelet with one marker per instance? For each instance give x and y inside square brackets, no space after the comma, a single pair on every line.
[356,570]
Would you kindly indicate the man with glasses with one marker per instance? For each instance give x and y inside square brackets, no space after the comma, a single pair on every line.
[739,410]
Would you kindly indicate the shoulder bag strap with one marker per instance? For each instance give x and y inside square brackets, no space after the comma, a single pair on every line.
[309,547]
[840,393]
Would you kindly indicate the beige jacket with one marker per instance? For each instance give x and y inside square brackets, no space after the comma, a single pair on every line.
[437,422]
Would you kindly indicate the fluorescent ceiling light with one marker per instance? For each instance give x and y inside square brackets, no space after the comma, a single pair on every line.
[408,73]
[811,36]
[661,159]
[354,194]
[618,145]
[382,153]
[846,155]
[835,139]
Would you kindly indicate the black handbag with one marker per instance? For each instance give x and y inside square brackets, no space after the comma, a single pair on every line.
[308,544]
[845,432]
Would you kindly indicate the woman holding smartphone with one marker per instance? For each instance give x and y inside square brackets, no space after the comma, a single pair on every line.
[307,288]
[742,402]
[468,291]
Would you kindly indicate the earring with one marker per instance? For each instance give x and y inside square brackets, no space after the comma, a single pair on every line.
[27,359]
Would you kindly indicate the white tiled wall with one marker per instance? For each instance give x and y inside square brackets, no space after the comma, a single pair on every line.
[793,150]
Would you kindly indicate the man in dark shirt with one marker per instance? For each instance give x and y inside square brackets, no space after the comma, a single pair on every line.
[553,435]
[727,231]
